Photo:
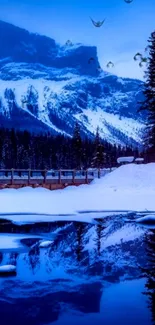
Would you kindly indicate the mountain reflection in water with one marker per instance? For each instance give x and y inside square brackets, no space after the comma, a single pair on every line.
[90,274]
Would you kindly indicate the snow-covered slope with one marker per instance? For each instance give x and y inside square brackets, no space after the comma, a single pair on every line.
[45,86]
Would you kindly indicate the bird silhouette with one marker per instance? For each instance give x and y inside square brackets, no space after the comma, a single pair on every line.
[128,1]
[68,42]
[143,60]
[137,55]
[110,64]
[91,60]
[97,23]
[99,68]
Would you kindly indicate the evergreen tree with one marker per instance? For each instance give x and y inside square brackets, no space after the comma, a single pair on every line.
[149,94]
[22,150]
[99,155]
[77,147]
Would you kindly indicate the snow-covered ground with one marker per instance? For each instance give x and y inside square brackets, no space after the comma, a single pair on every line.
[129,187]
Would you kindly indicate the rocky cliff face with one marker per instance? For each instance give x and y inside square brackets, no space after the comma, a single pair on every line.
[45,86]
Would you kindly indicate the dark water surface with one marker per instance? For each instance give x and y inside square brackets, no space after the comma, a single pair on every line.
[91,274]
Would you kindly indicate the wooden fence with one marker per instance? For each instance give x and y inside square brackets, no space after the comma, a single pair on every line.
[51,179]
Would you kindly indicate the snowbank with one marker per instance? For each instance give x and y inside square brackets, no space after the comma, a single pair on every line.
[129,187]
[7,269]
[13,241]
[131,176]
[45,244]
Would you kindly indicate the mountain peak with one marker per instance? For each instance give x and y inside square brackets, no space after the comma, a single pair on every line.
[45,86]
[19,45]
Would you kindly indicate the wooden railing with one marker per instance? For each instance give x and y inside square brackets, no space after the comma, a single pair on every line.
[61,176]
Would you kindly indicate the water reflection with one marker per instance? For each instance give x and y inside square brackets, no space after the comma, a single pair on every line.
[34,258]
[149,271]
[75,276]
[99,230]
[43,307]
[13,258]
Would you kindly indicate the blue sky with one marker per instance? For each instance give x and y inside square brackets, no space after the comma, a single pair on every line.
[125,32]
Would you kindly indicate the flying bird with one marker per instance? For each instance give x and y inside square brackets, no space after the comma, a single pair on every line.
[143,60]
[97,23]
[91,60]
[99,68]
[138,55]
[68,42]
[110,64]
[128,1]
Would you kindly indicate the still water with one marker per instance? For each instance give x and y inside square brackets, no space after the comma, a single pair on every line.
[90,274]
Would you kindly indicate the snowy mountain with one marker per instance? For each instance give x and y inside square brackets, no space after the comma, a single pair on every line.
[45,86]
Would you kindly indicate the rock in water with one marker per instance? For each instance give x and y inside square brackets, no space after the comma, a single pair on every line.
[7,270]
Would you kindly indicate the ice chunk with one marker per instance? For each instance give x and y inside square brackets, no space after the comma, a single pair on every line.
[7,270]
[46,244]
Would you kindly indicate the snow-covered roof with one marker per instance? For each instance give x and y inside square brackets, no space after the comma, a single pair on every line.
[92,169]
[139,159]
[125,159]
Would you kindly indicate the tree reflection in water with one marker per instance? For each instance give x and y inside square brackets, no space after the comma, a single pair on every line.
[149,272]
[13,258]
[99,230]
[34,258]
[80,230]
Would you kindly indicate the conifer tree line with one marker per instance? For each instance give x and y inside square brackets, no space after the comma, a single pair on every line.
[22,150]
[148,105]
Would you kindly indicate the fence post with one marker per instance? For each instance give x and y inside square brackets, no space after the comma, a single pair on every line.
[60,176]
[110,164]
[29,176]
[73,176]
[86,179]
[12,175]
[99,173]
[45,172]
